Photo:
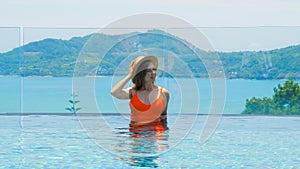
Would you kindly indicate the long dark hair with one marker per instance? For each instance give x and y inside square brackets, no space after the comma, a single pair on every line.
[139,80]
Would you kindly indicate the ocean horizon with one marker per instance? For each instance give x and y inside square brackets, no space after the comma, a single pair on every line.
[51,94]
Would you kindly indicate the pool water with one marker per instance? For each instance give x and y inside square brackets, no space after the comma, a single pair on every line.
[62,141]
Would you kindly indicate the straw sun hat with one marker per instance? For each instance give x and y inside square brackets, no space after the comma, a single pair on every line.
[141,59]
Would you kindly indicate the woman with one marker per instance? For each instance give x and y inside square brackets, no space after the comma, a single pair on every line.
[148,102]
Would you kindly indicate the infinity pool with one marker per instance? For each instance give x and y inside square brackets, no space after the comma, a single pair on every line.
[64,141]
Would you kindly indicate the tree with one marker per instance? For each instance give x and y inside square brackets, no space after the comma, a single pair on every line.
[285,101]
[259,106]
[287,95]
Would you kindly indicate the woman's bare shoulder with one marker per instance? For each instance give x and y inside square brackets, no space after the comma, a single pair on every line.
[165,91]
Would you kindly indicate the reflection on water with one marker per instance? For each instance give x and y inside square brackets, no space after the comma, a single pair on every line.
[143,144]
[144,161]
[49,141]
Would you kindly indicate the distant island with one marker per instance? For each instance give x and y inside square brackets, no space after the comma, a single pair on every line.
[285,101]
[57,58]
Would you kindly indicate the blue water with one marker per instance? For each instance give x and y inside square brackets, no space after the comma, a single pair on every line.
[95,141]
[51,95]
[50,141]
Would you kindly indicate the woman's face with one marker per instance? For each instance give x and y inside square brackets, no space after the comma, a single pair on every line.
[151,72]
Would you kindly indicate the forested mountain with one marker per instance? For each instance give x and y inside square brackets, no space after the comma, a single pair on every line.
[281,63]
[56,57]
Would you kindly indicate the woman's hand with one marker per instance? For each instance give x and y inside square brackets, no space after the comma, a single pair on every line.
[130,72]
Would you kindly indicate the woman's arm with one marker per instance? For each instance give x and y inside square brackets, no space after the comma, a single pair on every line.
[166,96]
[118,90]
[163,116]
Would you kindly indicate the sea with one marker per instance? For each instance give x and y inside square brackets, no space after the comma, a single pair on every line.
[37,131]
[187,95]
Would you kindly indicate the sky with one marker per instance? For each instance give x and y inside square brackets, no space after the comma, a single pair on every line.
[22,21]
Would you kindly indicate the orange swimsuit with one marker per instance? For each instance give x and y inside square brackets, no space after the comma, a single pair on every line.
[142,113]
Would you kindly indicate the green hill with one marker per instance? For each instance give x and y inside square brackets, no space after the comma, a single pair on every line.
[56,57]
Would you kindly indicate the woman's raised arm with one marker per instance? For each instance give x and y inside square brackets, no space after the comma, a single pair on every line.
[118,90]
